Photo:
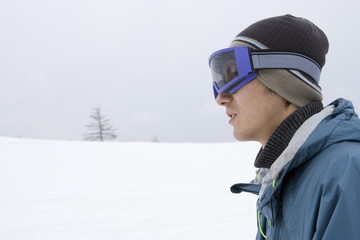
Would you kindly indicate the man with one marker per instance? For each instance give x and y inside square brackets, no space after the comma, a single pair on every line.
[309,162]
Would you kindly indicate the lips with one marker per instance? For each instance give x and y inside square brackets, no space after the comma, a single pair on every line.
[231,116]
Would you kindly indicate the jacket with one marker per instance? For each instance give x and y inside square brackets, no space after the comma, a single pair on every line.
[311,191]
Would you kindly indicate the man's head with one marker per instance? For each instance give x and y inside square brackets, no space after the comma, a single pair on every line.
[288,33]
[285,36]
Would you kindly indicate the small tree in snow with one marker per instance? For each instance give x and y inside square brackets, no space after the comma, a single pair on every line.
[100,129]
[155,139]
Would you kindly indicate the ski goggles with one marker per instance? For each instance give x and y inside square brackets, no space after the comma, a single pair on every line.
[234,67]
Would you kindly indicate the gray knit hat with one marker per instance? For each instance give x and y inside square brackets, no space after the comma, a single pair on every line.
[293,34]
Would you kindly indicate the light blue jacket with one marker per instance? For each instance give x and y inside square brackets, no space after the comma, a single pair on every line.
[312,190]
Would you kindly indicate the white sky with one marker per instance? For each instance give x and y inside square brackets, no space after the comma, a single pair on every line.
[144,63]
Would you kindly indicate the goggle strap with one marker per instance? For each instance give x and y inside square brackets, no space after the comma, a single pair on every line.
[286,60]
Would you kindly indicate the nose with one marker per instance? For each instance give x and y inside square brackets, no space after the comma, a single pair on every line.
[223,98]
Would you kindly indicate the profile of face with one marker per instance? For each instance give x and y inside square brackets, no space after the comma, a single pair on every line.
[254,113]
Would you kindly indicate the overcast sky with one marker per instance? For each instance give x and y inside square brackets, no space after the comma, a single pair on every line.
[144,63]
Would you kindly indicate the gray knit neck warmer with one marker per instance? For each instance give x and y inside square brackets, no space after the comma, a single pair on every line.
[281,137]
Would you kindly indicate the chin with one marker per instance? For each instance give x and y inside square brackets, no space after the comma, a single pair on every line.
[238,136]
[241,136]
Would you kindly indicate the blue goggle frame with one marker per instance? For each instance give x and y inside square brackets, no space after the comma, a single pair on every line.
[245,71]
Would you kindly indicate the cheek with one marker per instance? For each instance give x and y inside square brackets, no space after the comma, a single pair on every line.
[265,113]
[255,116]
[246,120]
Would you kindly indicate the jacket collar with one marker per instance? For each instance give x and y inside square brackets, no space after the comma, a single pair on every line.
[297,141]
[333,124]
[267,177]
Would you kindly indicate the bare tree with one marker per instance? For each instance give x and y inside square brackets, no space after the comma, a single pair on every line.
[155,139]
[100,129]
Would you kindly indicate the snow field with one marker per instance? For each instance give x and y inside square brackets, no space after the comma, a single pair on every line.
[115,190]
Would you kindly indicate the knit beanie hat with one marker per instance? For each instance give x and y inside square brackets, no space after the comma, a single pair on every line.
[292,34]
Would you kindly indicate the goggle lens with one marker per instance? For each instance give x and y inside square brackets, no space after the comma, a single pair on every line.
[225,65]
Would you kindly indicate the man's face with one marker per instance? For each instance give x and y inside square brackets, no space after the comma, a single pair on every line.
[254,114]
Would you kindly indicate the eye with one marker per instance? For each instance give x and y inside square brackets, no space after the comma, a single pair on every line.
[230,70]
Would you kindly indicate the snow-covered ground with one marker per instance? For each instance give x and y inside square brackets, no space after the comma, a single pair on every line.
[91,190]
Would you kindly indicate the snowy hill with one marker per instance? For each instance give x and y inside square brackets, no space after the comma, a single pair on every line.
[91,190]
